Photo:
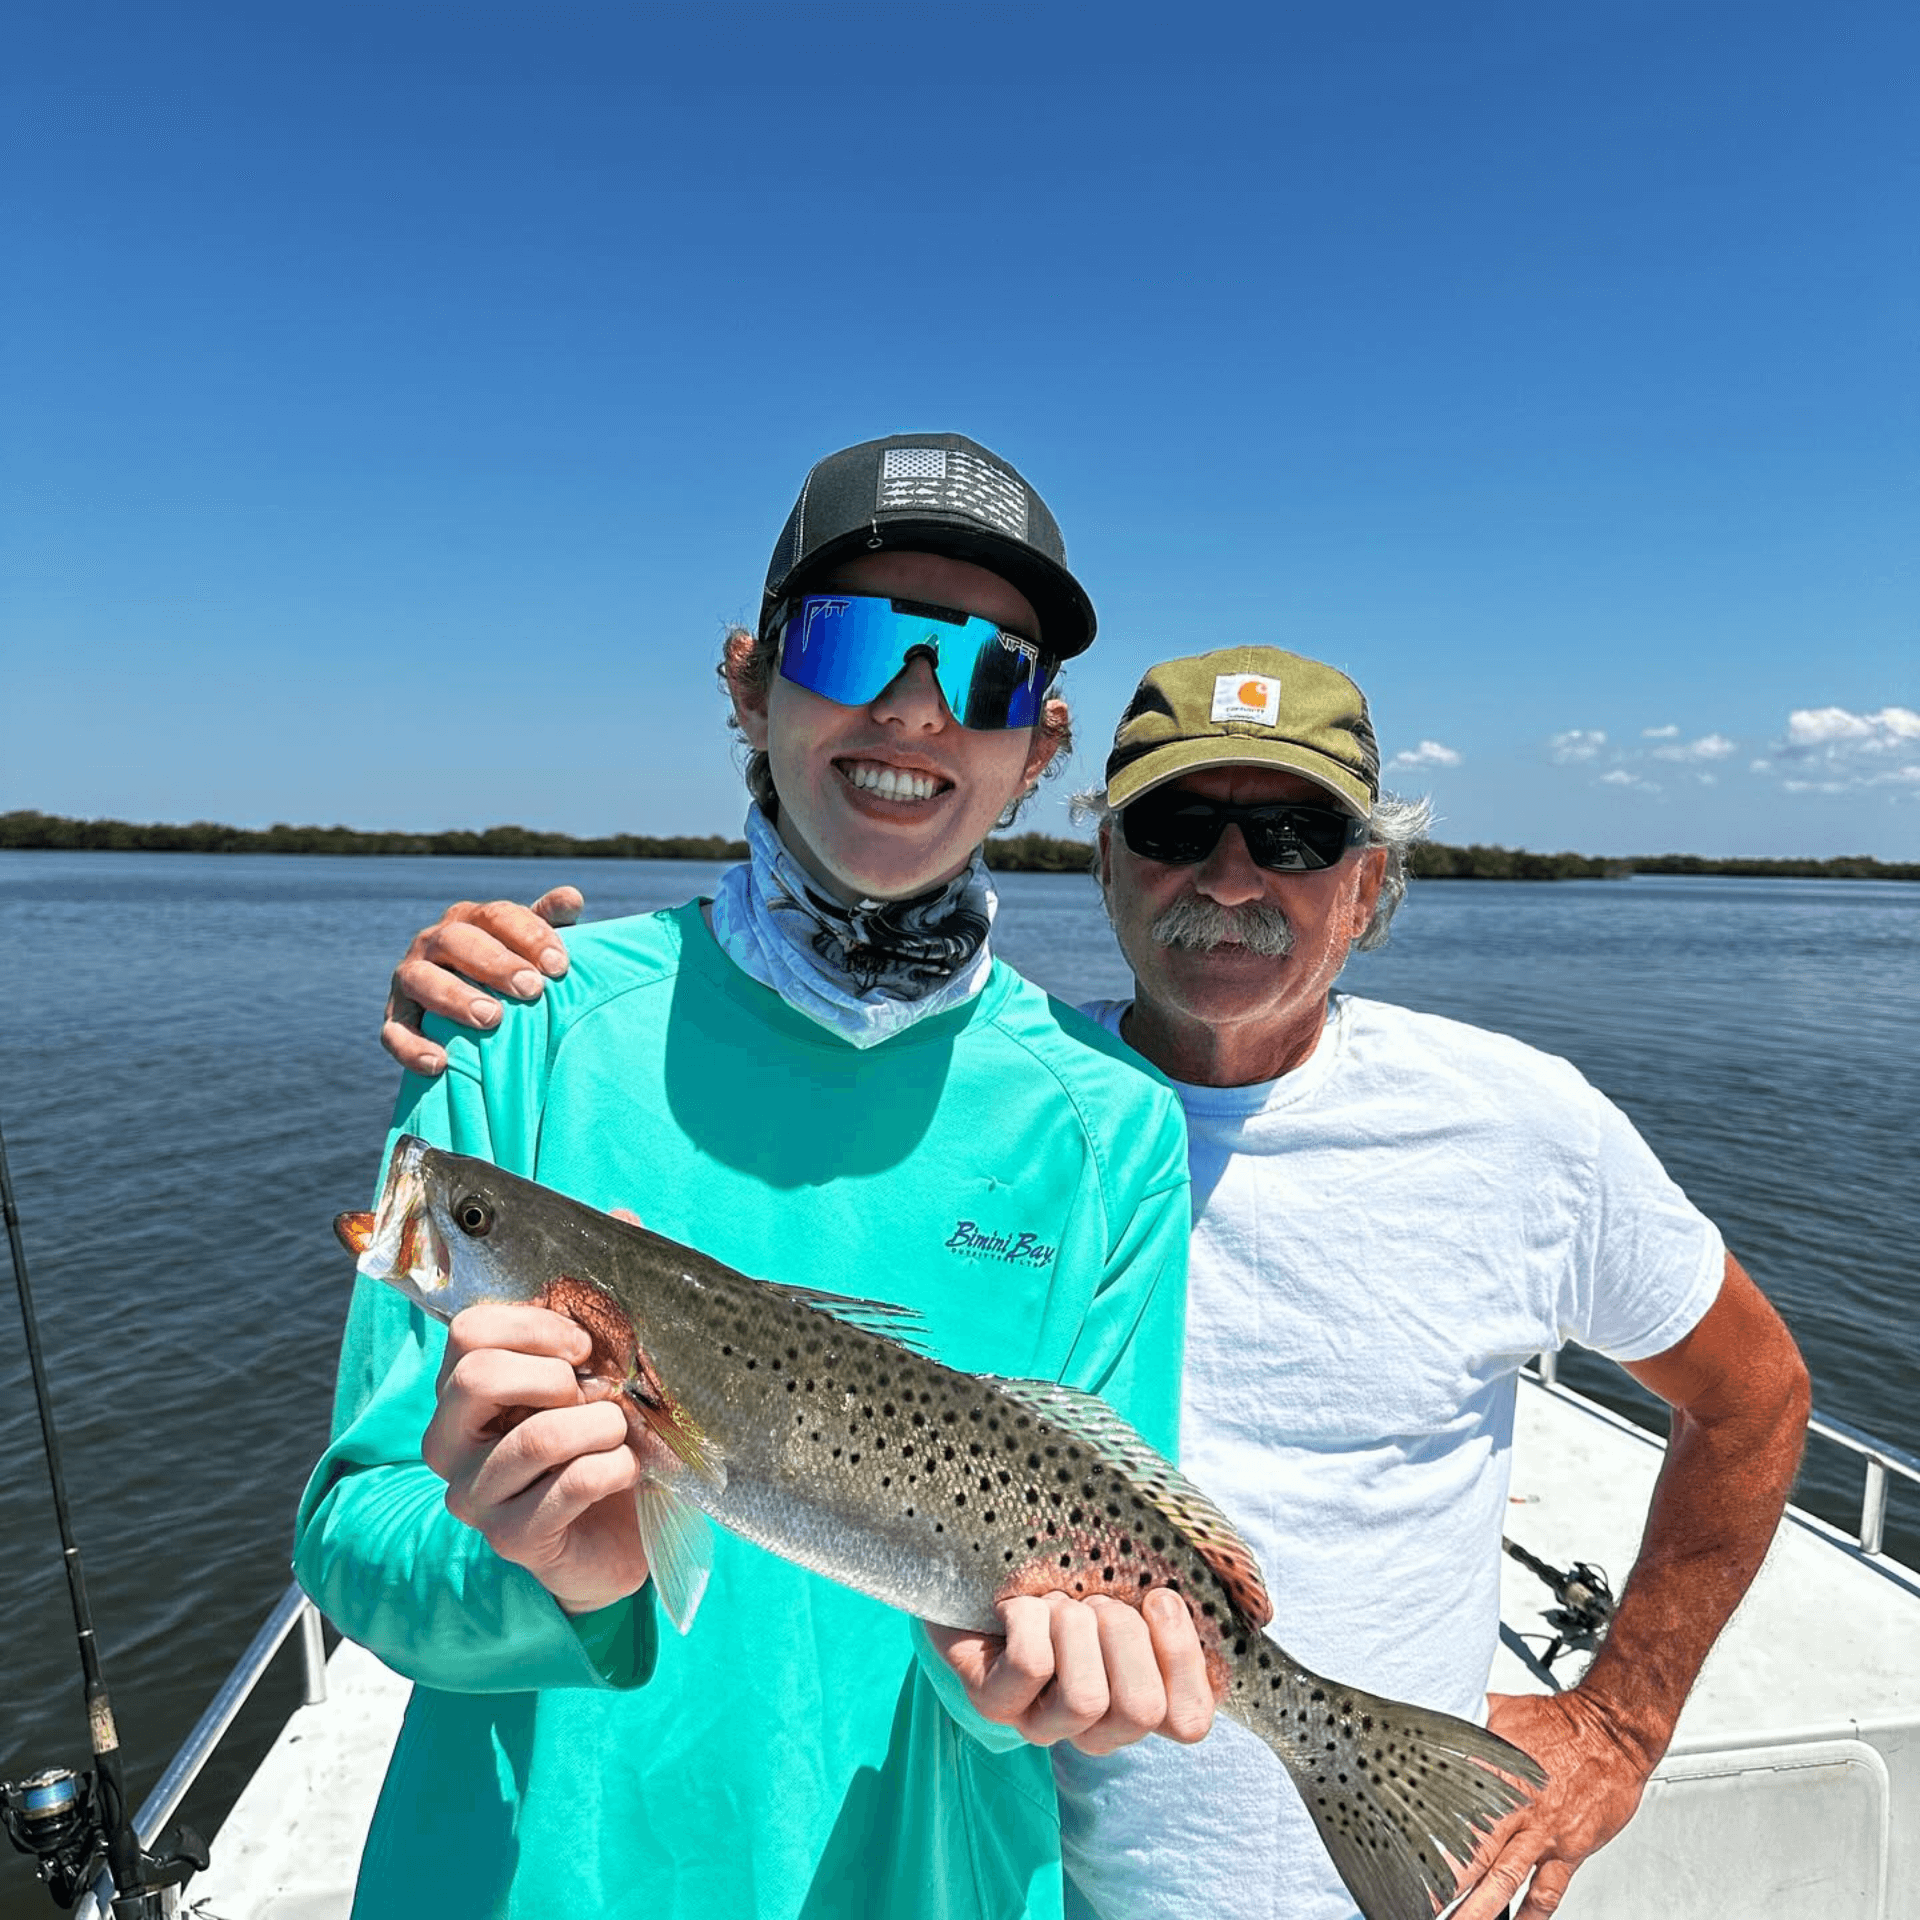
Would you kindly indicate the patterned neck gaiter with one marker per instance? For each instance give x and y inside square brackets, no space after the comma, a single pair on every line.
[864,972]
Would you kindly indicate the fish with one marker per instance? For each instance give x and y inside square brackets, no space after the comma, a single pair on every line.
[818,1426]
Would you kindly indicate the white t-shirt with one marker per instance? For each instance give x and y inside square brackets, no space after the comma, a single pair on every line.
[1381,1238]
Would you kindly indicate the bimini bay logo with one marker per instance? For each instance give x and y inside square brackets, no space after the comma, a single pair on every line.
[973,1241]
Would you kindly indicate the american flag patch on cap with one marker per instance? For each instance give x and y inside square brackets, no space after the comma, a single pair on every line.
[939,480]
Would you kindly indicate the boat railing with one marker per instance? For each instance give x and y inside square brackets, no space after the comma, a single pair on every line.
[1881,1461]
[294,1611]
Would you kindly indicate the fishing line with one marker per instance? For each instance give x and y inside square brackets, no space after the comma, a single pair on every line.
[72,1823]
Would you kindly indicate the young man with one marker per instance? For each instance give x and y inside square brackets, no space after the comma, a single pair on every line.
[1392,1212]
[815,1077]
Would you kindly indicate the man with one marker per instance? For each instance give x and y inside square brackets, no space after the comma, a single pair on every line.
[824,1057]
[1391,1212]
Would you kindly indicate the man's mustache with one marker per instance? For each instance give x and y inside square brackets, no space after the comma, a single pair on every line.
[1204,924]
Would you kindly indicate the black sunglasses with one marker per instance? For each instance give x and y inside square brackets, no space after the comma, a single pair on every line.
[1180,829]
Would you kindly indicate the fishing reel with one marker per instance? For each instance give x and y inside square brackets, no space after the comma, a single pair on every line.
[1584,1613]
[55,1817]
[51,1817]
[1585,1600]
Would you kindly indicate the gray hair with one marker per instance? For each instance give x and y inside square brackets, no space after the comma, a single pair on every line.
[1397,825]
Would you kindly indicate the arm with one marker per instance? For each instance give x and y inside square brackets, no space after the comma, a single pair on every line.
[1740,1399]
[500,945]
[380,1543]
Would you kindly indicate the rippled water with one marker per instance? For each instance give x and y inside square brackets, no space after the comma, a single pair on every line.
[190,1089]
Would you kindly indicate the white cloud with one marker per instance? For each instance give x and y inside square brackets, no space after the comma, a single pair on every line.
[1582,743]
[1833,750]
[1835,730]
[1659,733]
[1625,777]
[1429,753]
[1710,746]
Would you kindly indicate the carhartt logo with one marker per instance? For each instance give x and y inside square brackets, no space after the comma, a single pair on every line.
[1246,696]
[1016,1249]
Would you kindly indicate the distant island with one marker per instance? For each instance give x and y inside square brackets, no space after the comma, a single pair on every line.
[1006,853]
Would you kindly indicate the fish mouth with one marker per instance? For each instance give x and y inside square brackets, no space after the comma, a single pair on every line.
[399,1243]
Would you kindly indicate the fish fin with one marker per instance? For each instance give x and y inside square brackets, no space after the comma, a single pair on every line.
[904,1326]
[679,1547]
[1397,1793]
[668,1423]
[1213,1536]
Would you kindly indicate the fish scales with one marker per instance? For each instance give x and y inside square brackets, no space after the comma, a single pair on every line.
[894,1473]
[811,1425]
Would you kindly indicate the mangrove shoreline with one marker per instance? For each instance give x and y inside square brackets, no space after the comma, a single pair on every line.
[25,830]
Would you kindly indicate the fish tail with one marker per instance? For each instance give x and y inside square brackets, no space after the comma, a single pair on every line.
[1395,1791]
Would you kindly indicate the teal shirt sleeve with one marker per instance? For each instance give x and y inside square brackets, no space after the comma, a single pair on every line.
[1130,1351]
[375,1545]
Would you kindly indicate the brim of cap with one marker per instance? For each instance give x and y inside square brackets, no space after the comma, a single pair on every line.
[1067,621]
[1161,764]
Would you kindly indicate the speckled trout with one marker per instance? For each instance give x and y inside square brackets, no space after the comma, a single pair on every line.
[816,1426]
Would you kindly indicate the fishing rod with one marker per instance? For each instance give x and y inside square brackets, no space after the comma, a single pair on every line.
[73,1823]
[1585,1597]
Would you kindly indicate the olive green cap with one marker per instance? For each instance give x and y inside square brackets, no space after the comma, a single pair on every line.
[1247,707]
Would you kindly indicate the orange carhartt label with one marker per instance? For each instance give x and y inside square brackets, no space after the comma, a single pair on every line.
[1246,697]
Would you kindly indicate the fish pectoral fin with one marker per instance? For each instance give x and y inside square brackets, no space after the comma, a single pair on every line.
[669,1425]
[678,1542]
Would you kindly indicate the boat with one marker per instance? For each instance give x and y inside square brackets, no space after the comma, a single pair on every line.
[1791,1791]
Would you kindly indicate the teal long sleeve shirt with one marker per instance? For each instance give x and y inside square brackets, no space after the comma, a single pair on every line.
[1006,1170]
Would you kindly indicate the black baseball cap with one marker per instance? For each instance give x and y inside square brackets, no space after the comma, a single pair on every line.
[932,493]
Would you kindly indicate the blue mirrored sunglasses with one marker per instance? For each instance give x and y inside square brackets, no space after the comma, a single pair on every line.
[851,647]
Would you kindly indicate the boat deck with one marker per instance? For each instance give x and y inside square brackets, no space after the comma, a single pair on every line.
[1793,1787]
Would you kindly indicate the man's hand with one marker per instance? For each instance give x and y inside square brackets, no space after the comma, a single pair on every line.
[1739,1394]
[1595,1778]
[533,1458]
[1097,1672]
[499,945]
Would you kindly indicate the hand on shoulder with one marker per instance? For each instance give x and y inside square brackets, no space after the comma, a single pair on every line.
[498,945]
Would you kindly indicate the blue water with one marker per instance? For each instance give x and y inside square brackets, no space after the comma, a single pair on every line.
[190,1088]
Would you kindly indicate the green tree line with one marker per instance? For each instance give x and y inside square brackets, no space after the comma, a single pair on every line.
[1006,853]
[52,831]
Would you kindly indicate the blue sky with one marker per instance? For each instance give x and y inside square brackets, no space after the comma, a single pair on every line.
[396,399]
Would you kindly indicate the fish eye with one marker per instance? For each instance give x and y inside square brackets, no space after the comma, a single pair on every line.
[474,1216]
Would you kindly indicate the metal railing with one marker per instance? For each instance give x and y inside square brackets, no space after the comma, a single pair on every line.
[294,1610]
[1881,1457]
[1881,1460]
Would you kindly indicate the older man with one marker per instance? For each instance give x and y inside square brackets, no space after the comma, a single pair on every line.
[1391,1212]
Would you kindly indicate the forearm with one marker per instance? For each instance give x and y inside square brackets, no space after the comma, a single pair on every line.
[386,1561]
[1715,1509]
